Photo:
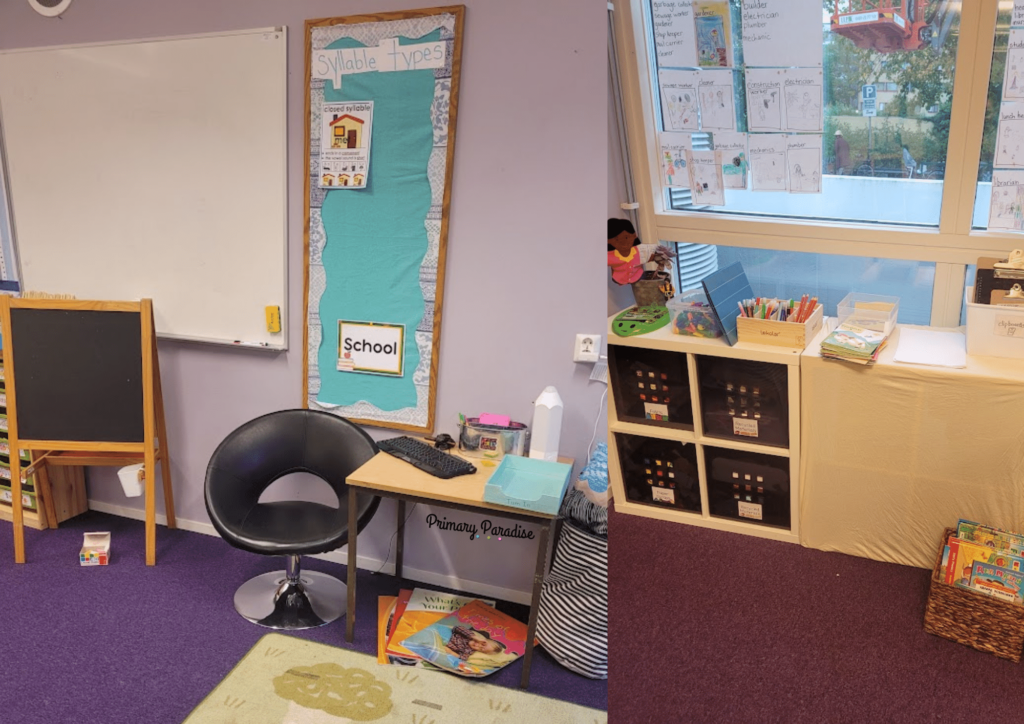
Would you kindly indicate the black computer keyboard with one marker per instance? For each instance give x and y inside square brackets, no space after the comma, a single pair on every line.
[426,458]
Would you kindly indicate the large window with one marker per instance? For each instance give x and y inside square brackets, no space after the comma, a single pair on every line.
[879,172]
[879,159]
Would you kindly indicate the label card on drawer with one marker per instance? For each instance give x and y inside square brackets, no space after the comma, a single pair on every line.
[750,510]
[656,412]
[744,427]
[667,495]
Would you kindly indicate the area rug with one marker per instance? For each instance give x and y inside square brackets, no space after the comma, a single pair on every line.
[286,680]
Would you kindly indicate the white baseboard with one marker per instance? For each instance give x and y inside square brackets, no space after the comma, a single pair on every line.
[431,578]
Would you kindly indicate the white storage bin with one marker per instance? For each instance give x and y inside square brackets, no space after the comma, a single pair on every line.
[994,331]
[870,311]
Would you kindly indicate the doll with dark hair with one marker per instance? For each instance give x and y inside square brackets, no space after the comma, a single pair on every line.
[627,263]
[623,255]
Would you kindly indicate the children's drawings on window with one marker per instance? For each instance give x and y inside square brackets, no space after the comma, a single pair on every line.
[804,170]
[733,147]
[717,111]
[1013,81]
[1007,207]
[768,162]
[705,168]
[802,98]
[679,99]
[714,33]
[1010,136]
[764,99]
[672,158]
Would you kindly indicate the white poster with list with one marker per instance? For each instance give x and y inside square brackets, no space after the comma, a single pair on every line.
[679,99]
[782,33]
[1018,13]
[675,38]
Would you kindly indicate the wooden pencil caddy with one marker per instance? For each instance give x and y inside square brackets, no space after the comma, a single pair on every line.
[779,334]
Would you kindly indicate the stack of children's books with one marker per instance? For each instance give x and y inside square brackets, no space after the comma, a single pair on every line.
[436,630]
[852,343]
[985,559]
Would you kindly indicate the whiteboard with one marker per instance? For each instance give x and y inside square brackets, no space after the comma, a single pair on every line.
[157,169]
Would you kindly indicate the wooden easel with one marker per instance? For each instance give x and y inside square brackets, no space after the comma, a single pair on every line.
[51,359]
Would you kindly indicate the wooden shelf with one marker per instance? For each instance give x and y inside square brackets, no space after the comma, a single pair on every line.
[702,521]
[66,483]
[692,351]
[31,517]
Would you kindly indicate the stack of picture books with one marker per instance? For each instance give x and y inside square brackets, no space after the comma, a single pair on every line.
[851,343]
[436,630]
[985,559]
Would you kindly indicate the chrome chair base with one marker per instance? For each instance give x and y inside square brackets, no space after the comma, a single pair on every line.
[279,601]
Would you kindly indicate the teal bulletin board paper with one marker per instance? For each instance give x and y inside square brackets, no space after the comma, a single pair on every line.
[376,237]
[361,254]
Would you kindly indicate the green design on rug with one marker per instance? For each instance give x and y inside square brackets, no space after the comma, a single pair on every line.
[288,680]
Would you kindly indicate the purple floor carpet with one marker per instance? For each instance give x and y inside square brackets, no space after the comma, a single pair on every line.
[127,644]
[711,627]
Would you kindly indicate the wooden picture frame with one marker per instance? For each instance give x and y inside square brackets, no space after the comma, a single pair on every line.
[425,339]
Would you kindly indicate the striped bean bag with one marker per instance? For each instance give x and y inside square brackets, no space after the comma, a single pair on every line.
[572,623]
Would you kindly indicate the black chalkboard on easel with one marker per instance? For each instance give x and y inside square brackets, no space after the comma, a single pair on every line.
[79,375]
[83,387]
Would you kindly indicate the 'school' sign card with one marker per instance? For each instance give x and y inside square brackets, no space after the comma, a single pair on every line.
[371,348]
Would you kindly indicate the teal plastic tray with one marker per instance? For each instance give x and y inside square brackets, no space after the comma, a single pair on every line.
[527,483]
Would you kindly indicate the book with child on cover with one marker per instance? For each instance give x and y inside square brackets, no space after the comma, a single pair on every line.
[476,640]
[423,608]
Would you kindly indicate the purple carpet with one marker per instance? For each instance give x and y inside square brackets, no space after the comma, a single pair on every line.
[708,626]
[130,644]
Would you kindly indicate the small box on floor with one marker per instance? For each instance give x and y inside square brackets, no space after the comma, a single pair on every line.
[95,549]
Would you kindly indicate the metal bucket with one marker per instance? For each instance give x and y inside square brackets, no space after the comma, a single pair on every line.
[492,442]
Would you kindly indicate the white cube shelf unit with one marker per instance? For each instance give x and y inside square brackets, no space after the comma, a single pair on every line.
[723,450]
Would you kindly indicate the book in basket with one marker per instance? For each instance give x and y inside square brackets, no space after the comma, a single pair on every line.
[992,537]
[999,582]
[476,640]
[963,554]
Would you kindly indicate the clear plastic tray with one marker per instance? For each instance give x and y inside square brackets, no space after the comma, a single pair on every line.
[870,311]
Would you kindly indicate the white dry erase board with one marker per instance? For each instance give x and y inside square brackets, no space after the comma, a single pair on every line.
[157,169]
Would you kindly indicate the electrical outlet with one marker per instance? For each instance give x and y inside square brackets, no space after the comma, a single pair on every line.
[588,348]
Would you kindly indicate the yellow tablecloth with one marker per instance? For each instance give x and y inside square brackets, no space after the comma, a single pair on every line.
[894,453]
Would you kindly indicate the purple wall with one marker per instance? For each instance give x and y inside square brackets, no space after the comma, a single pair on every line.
[524,265]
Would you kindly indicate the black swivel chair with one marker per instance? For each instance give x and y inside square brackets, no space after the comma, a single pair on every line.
[243,466]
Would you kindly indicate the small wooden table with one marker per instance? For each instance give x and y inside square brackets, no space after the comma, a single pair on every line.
[389,477]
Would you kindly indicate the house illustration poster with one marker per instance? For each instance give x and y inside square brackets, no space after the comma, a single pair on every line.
[345,138]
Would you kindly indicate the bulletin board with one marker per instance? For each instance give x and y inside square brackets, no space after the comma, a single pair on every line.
[381,100]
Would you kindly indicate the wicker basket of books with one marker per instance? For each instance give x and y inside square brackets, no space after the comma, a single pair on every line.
[971,617]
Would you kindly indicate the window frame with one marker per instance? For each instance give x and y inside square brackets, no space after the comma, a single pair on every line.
[952,245]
